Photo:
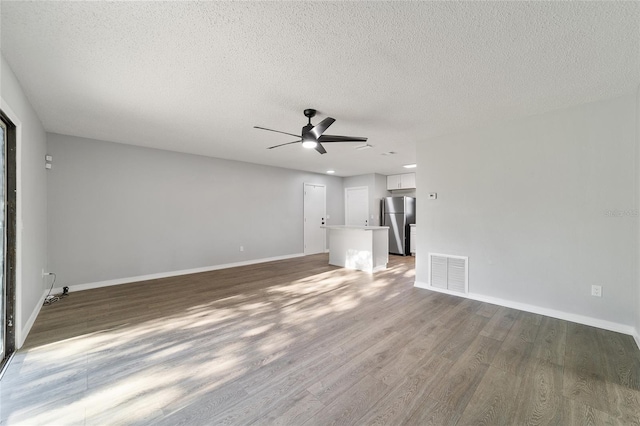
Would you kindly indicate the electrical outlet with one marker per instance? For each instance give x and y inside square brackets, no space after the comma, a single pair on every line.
[241,248]
[596,290]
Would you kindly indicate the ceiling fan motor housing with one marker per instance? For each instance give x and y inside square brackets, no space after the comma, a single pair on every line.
[306,130]
[308,140]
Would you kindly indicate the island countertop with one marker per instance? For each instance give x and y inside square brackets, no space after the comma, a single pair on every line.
[364,228]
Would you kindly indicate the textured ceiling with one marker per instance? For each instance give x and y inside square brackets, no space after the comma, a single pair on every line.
[196,77]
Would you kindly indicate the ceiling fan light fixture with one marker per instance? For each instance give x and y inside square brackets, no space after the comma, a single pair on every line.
[309,144]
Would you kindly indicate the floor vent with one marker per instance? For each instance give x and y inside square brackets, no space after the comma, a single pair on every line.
[449,272]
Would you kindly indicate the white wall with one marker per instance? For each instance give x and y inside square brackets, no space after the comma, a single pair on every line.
[359,180]
[527,201]
[118,211]
[637,333]
[379,192]
[31,201]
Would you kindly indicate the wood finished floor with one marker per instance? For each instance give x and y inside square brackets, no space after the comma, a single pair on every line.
[299,342]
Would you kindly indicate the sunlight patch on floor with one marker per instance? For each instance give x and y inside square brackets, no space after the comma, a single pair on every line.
[344,303]
[257,330]
[129,371]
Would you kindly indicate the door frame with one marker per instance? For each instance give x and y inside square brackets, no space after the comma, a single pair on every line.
[10,305]
[304,217]
[346,203]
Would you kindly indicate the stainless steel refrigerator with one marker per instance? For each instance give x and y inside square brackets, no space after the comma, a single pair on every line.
[398,213]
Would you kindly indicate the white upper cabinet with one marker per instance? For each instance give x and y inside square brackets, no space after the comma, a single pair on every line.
[394,182]
[408,181]
[403,181]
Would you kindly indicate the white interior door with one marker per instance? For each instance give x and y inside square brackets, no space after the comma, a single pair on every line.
[314,216]
[356,201]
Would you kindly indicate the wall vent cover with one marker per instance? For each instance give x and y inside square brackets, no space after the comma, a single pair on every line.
[449,272]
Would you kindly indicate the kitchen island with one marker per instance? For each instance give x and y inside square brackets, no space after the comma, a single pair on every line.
[365,248]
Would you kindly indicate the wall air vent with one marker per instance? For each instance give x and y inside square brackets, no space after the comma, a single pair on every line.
[449,272]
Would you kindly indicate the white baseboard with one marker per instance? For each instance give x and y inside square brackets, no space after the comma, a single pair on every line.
[21,334]
[636,337]
[580,319]
[108,283]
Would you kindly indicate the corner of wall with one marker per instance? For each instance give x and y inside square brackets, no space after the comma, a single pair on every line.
[31,204]
[637,203]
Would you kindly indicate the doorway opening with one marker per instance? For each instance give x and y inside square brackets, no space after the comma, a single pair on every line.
[8,238]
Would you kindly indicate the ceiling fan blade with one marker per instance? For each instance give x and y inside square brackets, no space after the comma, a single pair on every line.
[333,138]
[277,131]
[320,149]
[283,144]
[319,128]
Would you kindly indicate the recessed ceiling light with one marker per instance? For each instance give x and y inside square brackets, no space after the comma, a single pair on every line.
[331,172]
[410,166]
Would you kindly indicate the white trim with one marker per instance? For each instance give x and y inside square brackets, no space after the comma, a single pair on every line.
[580,319]
[427,286]
[19,335]
[636,337]
[31,320]
[118,281]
